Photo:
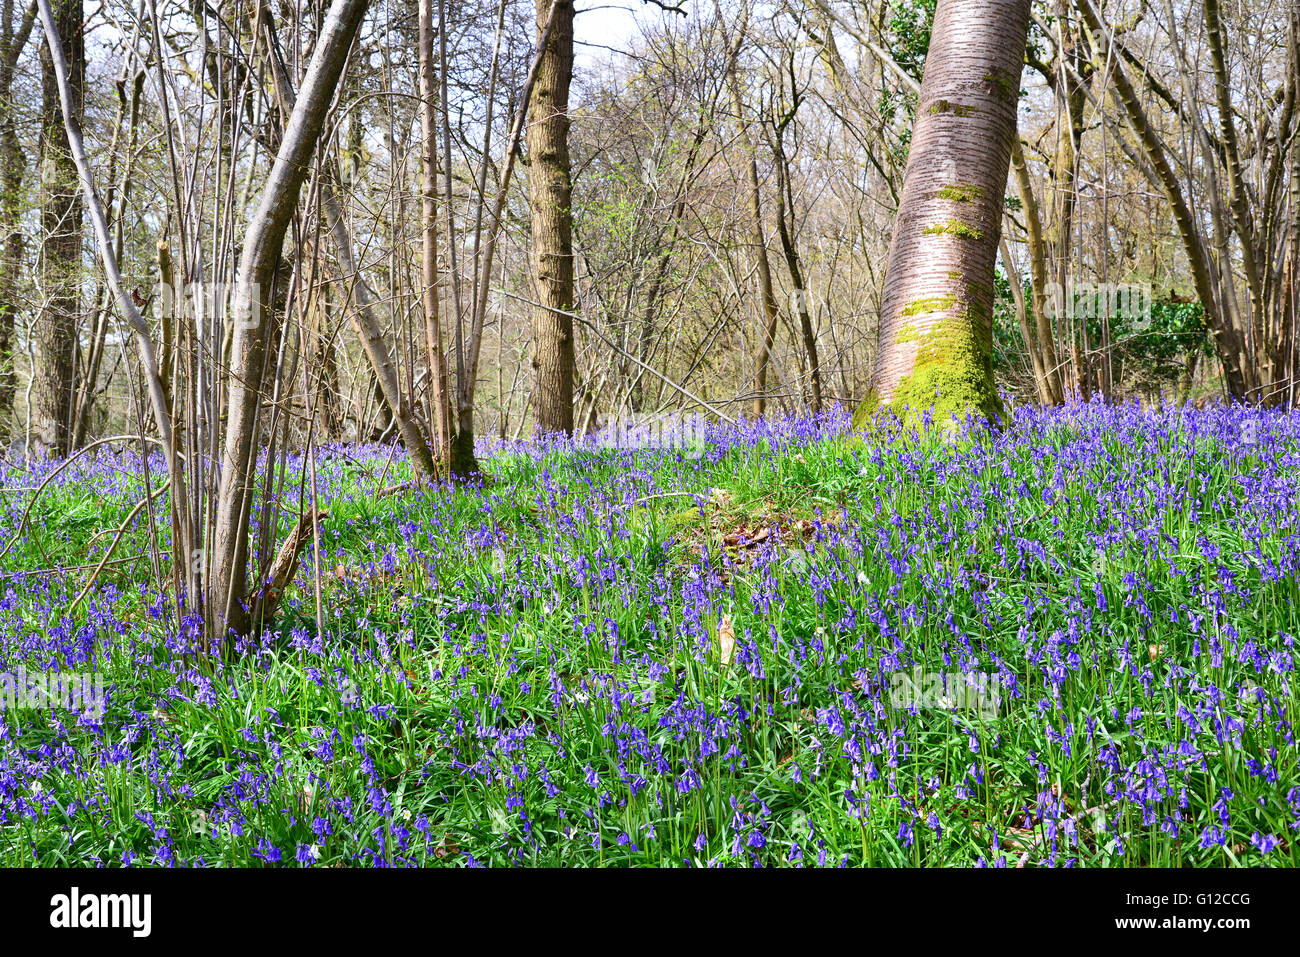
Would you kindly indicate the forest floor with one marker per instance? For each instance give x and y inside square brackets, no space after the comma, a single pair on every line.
[1068,642]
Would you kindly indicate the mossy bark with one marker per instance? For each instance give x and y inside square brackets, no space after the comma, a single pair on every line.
[953,373]
[463,463]
[935,342]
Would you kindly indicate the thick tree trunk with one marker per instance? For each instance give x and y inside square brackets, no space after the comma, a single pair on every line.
[53,379]
[937,304]
[552,222]
[12,167]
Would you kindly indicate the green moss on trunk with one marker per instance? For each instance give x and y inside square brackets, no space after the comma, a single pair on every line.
[953,227]
[953,374]
[930,304]
[867,408]
[957,109]
[1005,84]
[960,193]
[906,334]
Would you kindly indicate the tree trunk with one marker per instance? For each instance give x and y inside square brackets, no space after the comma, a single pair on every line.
[784,202]
[12,167]
[437,359]
[53,379]
[485,255]
[1027,336]
[552,222]
[130,89]
[395,407]
[763,352]
[322,368]
[937,305]
[1044,345]
[252,314]
[1070,95]
[1227,337]
[461,460]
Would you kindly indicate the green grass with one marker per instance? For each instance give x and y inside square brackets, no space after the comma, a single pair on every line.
[531,672]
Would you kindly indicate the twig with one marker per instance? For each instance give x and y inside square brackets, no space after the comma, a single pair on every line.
[56,569]
[121,530]
[627,355]
[66,462]
[285,564]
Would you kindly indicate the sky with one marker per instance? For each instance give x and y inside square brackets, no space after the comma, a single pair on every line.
[599,24]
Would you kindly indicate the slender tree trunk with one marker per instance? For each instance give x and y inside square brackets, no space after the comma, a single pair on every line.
[1070,95]
[53,379]
[484,255]
[322,367]
[130,88]
[937,305]
[436,357]
[654,294]
[1289,338]
[1228,340]
[397,408]
[1243,218]
[461,460]
[252,314]
[381,422]
[784,202]
[763,351]
[552,222]
[1045,338]
[1027,335]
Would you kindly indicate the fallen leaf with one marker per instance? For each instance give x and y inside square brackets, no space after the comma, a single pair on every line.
[726,640]
[449,848]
